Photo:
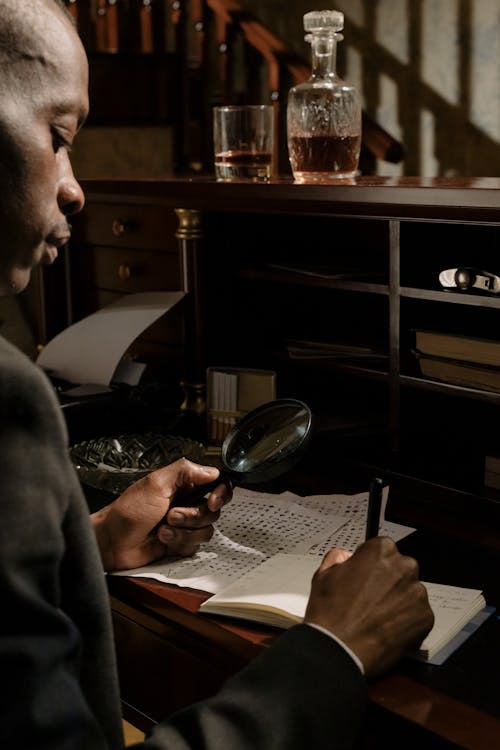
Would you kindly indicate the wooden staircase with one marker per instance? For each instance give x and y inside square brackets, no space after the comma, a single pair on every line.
[169,62]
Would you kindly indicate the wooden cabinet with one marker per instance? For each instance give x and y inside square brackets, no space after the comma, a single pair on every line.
[181,668]
[119,248]
[356,266]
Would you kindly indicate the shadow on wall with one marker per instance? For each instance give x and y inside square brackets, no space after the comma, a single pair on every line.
[123,151]
[459,147]
[434,106]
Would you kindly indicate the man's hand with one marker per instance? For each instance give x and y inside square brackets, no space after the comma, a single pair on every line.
[137,527]
[373,601]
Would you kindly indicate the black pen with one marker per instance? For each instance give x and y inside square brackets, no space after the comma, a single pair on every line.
[374,507]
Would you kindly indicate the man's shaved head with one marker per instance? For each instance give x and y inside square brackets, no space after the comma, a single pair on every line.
[24,48]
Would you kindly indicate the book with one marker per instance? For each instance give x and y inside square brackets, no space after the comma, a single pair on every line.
[233,392]
[460,373]
[464,348]
[492,472]
[276,593]
[302,349]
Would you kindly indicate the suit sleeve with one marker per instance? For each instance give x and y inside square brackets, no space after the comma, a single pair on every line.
[305,691]
[43,654]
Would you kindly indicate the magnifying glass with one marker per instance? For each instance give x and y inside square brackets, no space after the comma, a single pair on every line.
[263,445]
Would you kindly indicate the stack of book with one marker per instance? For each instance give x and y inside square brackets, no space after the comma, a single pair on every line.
[460,360]
[492,471]
[233,392]
[311,350]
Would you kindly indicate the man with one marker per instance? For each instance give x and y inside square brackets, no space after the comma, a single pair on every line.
[56,649]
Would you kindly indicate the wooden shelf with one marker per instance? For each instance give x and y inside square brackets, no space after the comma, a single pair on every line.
[243,304]
[302,279]
[453,298]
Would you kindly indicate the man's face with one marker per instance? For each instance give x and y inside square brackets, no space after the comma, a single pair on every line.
[38,190]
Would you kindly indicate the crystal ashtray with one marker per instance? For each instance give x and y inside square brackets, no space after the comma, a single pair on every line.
[114,463]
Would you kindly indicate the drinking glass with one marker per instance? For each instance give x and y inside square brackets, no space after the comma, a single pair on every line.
[243,142]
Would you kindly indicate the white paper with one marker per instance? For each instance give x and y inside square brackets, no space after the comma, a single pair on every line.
[354,509]
[252,527]
[128,372]
[90,350]
[255,525]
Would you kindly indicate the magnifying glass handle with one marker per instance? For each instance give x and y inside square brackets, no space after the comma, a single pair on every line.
[196,496]
[200,492]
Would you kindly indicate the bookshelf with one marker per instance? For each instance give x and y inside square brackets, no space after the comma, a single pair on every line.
[355,266]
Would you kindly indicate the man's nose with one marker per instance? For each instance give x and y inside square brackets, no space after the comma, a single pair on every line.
[70,196]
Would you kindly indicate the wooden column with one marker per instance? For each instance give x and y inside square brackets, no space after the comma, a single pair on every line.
[190,235]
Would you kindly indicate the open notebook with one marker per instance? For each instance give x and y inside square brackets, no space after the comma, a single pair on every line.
[276,593]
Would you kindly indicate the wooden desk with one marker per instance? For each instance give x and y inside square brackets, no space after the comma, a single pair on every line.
[262,265]
[170,656]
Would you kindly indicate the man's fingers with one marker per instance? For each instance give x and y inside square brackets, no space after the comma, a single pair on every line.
[334,556]
[177,539]
[194,474]
[220,496]
[192,517]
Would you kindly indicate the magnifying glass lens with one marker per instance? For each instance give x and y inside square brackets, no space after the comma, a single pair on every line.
[268,437]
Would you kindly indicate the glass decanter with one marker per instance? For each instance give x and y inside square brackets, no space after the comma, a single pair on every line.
[323,113]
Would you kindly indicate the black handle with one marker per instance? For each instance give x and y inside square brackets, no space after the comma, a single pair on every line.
[374,507]
[195,497]
[200,492]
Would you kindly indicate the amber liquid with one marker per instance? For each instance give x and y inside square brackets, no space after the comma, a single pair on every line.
[324,158]
[253,166]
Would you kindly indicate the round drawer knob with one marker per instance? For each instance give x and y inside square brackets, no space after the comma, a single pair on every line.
[118,227]
[124,272]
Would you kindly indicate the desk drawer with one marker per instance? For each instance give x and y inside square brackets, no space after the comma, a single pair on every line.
[125,269]
[124,225]
[158,673]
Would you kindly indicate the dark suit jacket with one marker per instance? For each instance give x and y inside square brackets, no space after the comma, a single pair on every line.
[57,661]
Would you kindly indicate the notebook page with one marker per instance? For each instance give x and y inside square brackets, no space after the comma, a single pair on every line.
[453,607]
[281,583]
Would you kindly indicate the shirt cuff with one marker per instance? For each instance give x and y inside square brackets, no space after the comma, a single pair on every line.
[353,656]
